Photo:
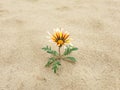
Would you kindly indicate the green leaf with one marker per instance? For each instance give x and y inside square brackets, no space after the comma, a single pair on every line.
[69,49]
[71,58]
[46,48]
[58,63]
[50,51]
[74,49]
[55,66]
[50,61]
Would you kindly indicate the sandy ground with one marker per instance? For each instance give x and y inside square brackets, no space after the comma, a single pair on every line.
[95,27]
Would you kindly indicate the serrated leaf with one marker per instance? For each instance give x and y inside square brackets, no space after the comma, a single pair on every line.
[71,58]
[55,69]
[69,49]
[58,63]
[50,51]
[50,61]
[55,66]
[48,64]
[46,48]
[74,49]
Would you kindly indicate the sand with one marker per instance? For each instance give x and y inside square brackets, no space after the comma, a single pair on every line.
[94,26]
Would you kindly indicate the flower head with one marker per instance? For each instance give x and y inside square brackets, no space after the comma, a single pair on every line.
[60,37]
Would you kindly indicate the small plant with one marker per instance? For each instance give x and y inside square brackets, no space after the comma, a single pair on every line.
[60,38]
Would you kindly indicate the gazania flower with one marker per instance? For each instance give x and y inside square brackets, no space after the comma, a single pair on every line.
[60,37]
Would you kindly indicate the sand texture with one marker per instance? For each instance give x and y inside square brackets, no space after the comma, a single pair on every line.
[94,26]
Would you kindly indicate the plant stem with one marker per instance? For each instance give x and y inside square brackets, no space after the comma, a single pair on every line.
[59,52]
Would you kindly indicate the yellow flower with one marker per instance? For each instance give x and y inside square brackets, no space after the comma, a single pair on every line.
[60,37]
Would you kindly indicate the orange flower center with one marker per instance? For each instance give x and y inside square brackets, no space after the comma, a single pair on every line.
[60,42]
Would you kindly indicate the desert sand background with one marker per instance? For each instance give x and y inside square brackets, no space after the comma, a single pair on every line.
[94,26]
